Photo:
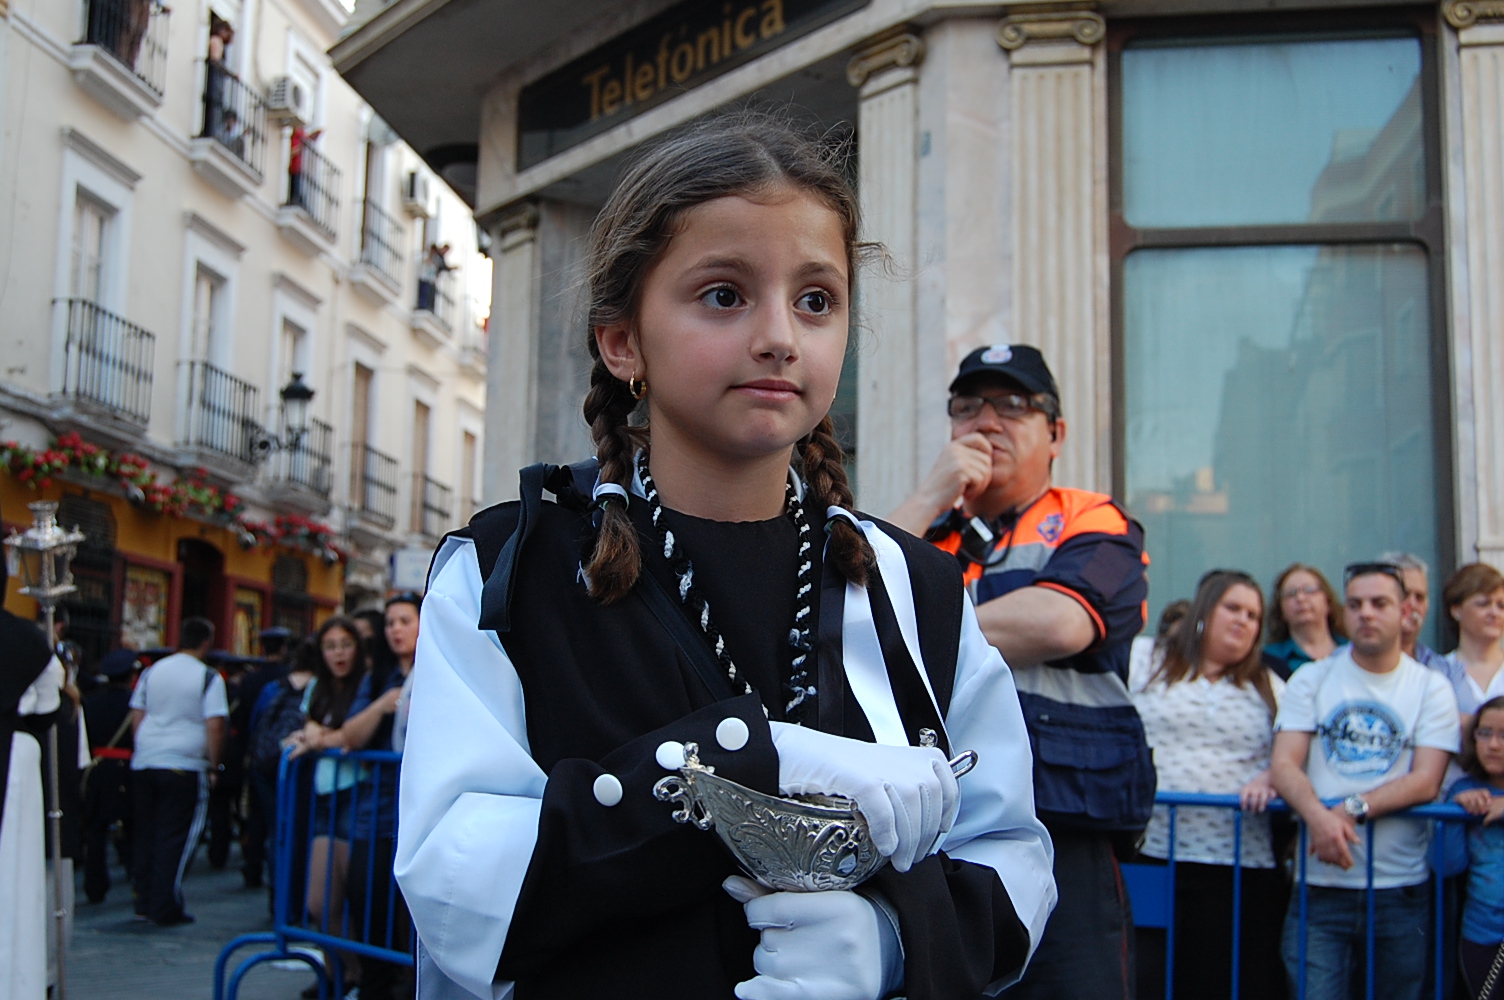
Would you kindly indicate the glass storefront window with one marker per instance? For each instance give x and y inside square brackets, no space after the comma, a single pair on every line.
[1278,404]
[1272,132]
[1273,283]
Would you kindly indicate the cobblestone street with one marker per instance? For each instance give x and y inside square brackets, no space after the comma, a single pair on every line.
[114,957]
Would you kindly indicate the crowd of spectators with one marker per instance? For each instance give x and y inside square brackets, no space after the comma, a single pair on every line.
[1317,699]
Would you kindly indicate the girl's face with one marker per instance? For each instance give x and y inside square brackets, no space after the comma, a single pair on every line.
[1488,735]
[339,648]
[1233,626]
[1481,616]
[402,629]
[1301,599]
[741,327]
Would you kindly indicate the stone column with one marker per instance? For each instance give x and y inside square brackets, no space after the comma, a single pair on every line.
[511,377]
[1477,169]
[886,73]
[1057,79]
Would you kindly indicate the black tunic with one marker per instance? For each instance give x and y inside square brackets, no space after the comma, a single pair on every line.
[633,906]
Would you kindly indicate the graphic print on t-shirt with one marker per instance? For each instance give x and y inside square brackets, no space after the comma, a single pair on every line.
[1362,738]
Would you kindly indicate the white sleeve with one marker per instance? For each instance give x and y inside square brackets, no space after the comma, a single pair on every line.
[1297,709]
[46,692]
[216,702]
[470,794]
[996,825]
[138,693]
[1438,725]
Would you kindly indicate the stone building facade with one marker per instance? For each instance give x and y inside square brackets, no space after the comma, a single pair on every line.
[1261,245]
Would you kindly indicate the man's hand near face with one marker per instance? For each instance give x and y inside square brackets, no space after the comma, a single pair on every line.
[963,470]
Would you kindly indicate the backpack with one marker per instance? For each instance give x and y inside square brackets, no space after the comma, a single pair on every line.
[283,717]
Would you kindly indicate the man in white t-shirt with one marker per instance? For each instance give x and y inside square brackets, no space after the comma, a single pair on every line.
[1369,730]
[178,710]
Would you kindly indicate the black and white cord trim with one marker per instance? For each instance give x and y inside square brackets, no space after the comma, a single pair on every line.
[801,689]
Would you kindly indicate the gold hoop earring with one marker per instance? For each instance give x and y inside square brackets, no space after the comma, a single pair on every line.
[637,387]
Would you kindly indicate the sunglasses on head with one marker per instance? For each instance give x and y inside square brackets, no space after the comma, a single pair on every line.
[1390,570]
[406,597]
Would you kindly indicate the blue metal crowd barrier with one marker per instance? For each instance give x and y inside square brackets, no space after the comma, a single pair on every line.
[1151,888]
[358,807]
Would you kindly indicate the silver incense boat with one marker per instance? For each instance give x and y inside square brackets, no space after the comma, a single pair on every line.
[803,843]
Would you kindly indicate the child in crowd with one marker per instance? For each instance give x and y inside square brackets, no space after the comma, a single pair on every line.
[707,582]
[1481,793]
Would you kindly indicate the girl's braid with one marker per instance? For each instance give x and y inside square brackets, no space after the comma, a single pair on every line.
[825,475]
[617,558]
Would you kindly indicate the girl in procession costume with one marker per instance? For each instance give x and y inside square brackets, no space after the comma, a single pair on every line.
[704,580]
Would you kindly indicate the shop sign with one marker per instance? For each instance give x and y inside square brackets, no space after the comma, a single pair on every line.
[678,50]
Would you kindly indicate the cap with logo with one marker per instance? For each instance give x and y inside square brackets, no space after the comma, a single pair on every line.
[1019,362]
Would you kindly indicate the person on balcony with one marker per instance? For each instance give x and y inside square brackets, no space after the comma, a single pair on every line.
[300,140]
[435,263]
[221,34]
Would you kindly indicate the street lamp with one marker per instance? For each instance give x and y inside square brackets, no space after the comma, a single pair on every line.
[296,395]
[42,556]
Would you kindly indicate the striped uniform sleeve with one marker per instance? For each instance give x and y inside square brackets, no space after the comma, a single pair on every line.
[1099,563]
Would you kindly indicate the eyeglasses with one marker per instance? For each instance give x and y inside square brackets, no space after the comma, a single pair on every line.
[1309,590]
[338,646]
[1390,570]
[1488,735]
[1008,405]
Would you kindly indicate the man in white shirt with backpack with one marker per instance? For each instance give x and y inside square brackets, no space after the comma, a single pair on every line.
[178,710]
[1370,731]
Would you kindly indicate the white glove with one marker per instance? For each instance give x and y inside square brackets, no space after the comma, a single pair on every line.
[907,794]
[816,945]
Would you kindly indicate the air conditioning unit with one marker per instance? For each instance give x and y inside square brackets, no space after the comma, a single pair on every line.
[287,102]
[417,195]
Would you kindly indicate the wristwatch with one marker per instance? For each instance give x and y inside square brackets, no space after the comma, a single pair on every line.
[1356,807]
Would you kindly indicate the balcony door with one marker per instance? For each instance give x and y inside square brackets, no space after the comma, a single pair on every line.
[91,222]
[421,416]
[360,433]
[208,319]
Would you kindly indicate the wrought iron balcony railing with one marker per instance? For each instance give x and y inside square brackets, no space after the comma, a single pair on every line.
[307,461]
[313,186]
[234,116]
[135,33]
[380,236]
[435,296]
[433,506]
[222,413]
[108,361]
[373,485]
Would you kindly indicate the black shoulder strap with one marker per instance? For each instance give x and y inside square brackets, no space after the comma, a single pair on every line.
[916,708]
[572,485]
[690,642]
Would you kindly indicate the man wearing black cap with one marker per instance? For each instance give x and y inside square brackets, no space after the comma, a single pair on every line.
[107,784]
[1058,579]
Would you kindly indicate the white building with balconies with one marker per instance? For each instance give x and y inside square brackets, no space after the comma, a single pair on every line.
[200,216]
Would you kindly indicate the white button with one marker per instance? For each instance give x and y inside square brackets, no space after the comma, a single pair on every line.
[670,755]
[732,734]
[607,790]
